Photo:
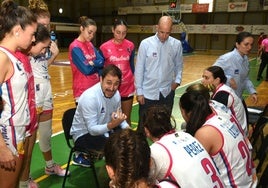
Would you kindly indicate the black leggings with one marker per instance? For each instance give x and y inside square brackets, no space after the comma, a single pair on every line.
[264,63]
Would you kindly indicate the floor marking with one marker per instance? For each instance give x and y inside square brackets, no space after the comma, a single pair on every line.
[41,178]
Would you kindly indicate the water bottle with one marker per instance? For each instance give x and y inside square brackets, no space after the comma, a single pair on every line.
[52,38]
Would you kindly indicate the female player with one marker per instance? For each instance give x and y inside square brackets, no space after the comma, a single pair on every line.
[120,52]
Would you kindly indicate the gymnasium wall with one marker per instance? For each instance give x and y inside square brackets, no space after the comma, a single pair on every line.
[206,31]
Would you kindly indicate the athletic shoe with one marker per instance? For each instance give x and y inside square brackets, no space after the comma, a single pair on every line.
[81,160]
[32,183]
[57,170]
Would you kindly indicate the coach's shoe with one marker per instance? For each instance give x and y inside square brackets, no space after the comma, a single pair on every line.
[57,170]
[81,160]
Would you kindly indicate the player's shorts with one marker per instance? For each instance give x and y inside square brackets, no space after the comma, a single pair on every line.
[14,137]
[43,97]
[31,128]
[127,98]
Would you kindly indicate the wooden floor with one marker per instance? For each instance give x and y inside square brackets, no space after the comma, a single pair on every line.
[61,80]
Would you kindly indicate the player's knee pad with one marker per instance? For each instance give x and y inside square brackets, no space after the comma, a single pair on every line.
[45,132]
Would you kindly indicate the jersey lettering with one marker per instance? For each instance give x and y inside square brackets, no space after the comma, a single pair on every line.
[193,149]
[231,127]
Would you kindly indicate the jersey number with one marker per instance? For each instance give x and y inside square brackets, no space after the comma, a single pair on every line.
[209,169]
[243,149]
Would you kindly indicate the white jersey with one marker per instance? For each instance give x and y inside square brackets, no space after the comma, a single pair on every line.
[181,158]
[233,160]
[15,95]
[234,103]
[43,90]
[222,110]
[40,69]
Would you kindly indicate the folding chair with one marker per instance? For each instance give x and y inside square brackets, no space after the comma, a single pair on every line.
[262,153]
[263,183]
[67,120]
[258,127]
[254,112]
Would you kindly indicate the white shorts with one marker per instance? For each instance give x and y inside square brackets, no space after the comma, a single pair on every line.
[31,128]
[14,137]
[43,97]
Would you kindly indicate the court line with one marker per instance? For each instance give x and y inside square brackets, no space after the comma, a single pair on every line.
[41,178]
[177,88]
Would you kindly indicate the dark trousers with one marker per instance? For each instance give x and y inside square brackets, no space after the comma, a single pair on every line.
[167,101]
[88,142]
[264,63]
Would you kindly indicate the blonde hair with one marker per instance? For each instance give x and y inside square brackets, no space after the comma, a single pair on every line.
[39,8]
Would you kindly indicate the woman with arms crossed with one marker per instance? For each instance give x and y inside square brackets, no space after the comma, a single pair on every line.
[85,60]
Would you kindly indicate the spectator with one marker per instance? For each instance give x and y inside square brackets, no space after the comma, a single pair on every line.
[84,58]
[158,68]
[264,59]
[98,115]
[260,39]
[121,52]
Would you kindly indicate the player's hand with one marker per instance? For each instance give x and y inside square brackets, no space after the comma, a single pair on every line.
[254,98]
[54,48]
[233,84]
[7,159]
[117,118]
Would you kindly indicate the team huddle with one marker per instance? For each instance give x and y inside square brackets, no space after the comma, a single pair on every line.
[213,151]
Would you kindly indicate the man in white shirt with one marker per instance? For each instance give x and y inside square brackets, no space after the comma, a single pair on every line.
[158,68]
[98,114]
